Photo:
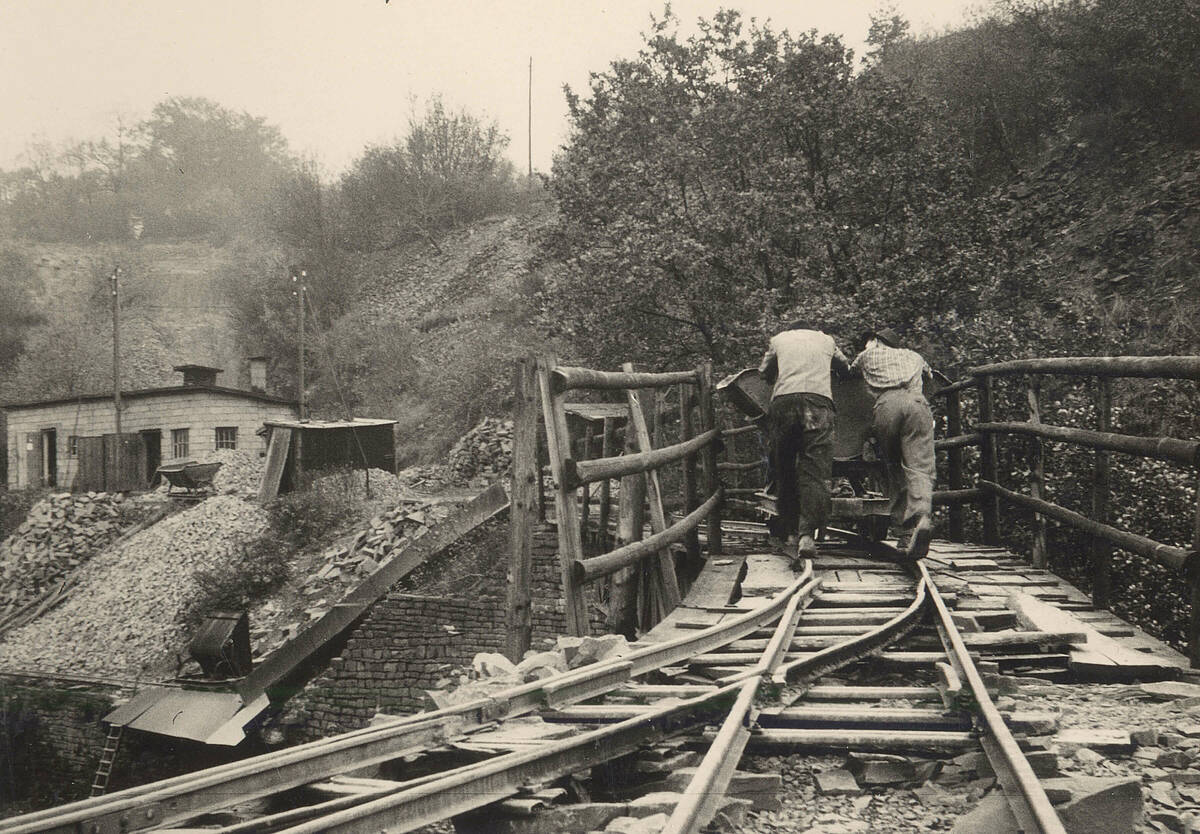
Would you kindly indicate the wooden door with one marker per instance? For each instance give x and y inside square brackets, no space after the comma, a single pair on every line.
[33,459]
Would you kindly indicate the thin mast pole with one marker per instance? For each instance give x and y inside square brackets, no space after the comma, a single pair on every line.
[116,302]
[529,127]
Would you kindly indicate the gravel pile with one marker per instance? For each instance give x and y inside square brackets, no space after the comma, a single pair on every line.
[483,452]
[60,533]
[375,485]
[240,473]
[120,619]
[426,478]
[340,568]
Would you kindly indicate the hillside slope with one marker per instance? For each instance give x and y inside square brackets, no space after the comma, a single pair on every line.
[463,311]
[173,312]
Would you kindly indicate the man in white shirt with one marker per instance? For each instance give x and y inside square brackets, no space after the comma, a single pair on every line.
[903,426]
[798,361]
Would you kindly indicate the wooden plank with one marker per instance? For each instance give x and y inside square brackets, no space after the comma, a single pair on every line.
[1098,656]
[523,517]
[277,454]
[658,521]
[570,542]
[716,582]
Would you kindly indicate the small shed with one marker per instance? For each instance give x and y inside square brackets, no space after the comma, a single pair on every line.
[297,448]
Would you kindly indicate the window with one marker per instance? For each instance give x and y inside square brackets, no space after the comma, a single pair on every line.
[226,437]
[179,443]
[72,446]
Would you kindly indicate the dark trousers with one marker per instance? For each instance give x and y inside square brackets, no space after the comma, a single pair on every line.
[802,444]
[903,426]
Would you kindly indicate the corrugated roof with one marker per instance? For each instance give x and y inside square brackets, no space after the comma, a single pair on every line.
[356,423]
[208,717]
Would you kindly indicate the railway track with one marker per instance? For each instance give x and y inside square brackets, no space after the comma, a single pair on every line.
[754,680]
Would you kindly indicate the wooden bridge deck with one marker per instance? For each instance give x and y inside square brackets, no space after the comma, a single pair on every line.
[991,589]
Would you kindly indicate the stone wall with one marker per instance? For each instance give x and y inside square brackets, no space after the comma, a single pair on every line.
[408,640]
[200,411]
[51,737]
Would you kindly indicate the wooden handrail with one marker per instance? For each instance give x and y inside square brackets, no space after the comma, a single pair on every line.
[1176,558]
[957,442]
[955,387]
[585,570]
[726,466]
[580,472]
[567,378]
[1186,452]
[1170,367]
[951,497]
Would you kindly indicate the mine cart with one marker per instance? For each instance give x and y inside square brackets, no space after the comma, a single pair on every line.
[857,472]
[194,479]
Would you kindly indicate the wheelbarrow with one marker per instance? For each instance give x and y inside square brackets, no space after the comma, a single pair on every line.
[194,479]
[853,453]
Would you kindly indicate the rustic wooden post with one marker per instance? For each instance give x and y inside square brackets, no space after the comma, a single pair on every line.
[1102,550]
[954,464]
[631,512]
[1193,576]
[585,509]
[570,543]
[523,510]
[668,583]
[542,461]
[1037,475]
[708,458]
[687,430]
[606,450]
[989,464]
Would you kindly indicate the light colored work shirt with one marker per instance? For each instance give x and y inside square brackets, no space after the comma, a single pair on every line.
[884,368]
[803,358]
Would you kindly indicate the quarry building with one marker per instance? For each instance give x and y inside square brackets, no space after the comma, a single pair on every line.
[71,443]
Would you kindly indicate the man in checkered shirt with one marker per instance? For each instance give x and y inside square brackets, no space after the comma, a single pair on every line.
[903,426]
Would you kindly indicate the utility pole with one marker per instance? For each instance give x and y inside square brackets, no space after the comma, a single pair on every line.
[114,280]
[529,127]
[298,281]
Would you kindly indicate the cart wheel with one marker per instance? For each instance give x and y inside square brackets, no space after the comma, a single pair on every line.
[874,527]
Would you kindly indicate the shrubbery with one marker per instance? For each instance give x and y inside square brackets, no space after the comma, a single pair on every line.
[296,520]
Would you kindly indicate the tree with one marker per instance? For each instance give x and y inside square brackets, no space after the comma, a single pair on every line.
[718,185]
[207,168]
[20,312]
[448,170]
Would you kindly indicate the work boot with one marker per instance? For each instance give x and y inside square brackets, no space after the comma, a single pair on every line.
[806,548]
[922,532]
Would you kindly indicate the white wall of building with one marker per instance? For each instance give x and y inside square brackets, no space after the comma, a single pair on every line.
[201,412]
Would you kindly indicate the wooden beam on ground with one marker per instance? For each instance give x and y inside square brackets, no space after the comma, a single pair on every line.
[1098,657]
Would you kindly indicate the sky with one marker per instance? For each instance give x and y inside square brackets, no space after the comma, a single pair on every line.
[338,75]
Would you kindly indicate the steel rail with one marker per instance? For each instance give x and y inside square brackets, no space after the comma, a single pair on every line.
[473,786]
[173,800]
[706,790]
[1024,792]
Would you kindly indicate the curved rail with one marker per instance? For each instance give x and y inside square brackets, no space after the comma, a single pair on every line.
[174,800]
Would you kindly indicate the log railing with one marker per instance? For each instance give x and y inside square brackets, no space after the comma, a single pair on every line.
[638,467]
[989,494]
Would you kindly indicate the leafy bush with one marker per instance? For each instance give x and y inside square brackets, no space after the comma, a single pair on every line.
[296,520]
[308,516]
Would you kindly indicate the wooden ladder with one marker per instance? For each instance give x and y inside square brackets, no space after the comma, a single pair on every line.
[107,756]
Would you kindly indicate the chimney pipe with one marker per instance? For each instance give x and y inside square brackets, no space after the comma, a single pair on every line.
[258,373]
